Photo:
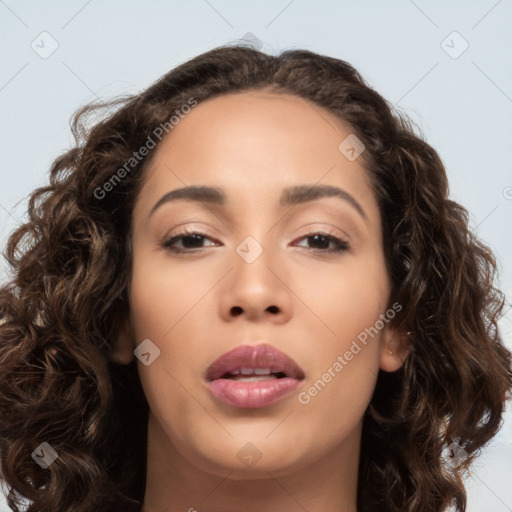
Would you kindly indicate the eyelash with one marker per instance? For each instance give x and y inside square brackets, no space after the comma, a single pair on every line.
[341,245]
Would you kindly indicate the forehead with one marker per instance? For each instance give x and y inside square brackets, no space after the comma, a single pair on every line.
[242,124]
[256,143]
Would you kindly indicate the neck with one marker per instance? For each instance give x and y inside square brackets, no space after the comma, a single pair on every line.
[173,483]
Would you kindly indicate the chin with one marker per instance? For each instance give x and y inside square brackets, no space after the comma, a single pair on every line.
[247,460]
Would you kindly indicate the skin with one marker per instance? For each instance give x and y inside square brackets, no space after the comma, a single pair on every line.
[252,145]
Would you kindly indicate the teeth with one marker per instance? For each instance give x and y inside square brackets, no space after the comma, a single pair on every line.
[262,371]
[254,373]
[255,378]
[251,371]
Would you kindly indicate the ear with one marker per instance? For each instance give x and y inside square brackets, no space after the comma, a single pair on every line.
[395,347]
[122,351]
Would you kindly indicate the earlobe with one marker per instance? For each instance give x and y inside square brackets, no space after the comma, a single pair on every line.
[122,350]
[394,349]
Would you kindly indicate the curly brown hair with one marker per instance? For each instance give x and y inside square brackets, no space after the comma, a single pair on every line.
[71,264]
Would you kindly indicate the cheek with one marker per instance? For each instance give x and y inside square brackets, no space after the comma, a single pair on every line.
[172,308]
[162,294]
[347,297]
[344,359]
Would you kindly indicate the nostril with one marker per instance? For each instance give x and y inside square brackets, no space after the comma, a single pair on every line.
[236,310]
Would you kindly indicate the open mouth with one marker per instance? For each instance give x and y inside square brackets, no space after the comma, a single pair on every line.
[251,377]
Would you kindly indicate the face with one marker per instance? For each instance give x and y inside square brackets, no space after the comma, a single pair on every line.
[302,273]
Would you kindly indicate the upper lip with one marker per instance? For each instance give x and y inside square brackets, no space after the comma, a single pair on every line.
[254,356]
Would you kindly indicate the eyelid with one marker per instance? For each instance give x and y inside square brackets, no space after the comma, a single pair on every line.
[326,228]
[342,243]
[194,227]
[165,243]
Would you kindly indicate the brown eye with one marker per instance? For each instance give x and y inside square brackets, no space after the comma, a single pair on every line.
[321,242]
[190,241]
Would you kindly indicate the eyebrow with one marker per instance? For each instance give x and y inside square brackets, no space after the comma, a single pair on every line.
[290,196]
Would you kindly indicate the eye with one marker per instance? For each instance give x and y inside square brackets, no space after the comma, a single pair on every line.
[190,241]
[193,241]
[322,240]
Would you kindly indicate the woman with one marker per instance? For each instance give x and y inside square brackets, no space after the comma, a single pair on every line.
[246,287]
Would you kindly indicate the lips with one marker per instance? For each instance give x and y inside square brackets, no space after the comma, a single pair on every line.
[251,377]
[259,357]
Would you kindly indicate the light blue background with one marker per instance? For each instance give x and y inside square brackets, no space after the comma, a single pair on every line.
[106,48]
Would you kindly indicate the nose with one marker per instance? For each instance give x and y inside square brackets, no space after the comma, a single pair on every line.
[256,291]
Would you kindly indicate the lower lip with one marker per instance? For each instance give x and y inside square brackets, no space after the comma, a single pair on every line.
[252,395]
